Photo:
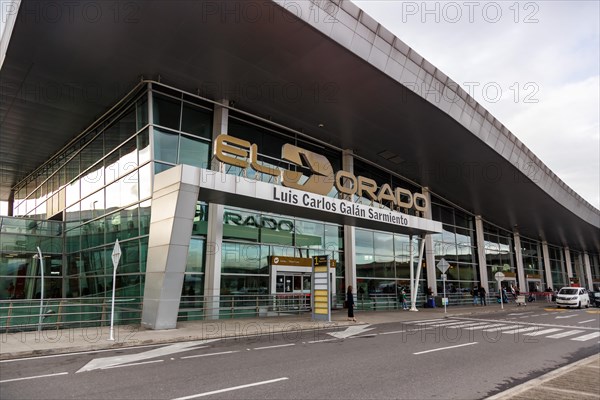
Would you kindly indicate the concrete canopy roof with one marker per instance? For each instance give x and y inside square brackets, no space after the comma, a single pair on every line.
[331,72]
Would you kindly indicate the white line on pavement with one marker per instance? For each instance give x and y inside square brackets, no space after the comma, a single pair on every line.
[211,354]
[79,352]
[194,396]
[539,333]
[501,328]
[445,348]
[586,321]
[521,330]
[33,377]
[391,333]
[587,337]
[275,346]
[132,364]
[565,334]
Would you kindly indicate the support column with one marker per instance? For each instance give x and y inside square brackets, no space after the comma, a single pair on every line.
[481,259]
[212,266]
[568,262]
[547,265]
[174,198]
[429,248]
[588,271]
[519,257]
[349,231]
[349,257]
[214,233]
[580,270]
[11,204]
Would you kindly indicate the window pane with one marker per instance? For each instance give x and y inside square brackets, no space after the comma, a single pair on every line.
[165,146]
[166,112]
[193,152]
[196,121]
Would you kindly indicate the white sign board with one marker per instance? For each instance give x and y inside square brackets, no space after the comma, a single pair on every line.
[116,254]
[499,276]
[443,265]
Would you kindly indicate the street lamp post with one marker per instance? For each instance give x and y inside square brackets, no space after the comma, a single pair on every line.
[39,255]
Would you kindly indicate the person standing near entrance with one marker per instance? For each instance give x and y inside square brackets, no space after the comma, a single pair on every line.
[482,294]
[350,304]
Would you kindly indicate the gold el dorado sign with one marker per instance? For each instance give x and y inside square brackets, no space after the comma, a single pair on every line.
[241,153]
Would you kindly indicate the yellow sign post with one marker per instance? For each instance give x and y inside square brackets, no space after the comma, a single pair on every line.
[321,289]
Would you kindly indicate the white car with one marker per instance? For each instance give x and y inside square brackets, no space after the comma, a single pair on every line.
[573,297]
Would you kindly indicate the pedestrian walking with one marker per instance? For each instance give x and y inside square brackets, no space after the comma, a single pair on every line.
[482,294]
[475,294]
[404,300]
[350,304]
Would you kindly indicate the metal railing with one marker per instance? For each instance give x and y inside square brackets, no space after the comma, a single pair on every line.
[242,306]
[23,315]
[59,313]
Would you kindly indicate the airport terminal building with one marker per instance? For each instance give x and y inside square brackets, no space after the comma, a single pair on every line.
[224,144]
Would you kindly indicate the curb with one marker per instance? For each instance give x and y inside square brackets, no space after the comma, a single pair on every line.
[535,382]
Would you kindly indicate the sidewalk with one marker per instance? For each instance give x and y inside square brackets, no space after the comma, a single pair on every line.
[575,381]
[27,344]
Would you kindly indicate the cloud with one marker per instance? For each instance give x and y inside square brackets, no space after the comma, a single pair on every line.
[536,68]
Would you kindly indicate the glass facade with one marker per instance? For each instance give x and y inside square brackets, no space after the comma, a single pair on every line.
[557,267]
[98,189]
[531,253]
[383,263]
[457,244]
[499,254]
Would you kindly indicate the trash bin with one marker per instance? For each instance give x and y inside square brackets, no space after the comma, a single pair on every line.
[438,301]
[430,302]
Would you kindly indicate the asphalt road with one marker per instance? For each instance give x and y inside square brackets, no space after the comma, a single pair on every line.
[451,358]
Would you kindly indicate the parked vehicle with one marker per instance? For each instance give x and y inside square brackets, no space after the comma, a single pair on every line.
[572,297]
[594,299]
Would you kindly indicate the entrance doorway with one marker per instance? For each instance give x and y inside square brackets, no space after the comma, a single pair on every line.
[293,283]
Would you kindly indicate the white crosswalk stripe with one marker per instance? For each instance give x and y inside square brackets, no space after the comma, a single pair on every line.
[502,328]
[565,334]
[540,333]
[509,327]
[472,328]
[589,336]
[520,330]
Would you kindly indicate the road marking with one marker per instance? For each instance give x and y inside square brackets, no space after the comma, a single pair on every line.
[545,331]
[565,316]
[350,331]
[589,336]
[322,340]
[210,354]
[521,313]
[519,330]
[274,346]
[502,328]
[100,363]
[194,396]
[473,328]
[33,377]
[537,324]
[586,321]
[79,352]
[565,334]
[468,324]
[132,364]
[445,348]
[425,320]
[391,333]
[437,322]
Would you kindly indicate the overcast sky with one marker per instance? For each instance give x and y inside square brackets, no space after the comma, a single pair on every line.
[542,58]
